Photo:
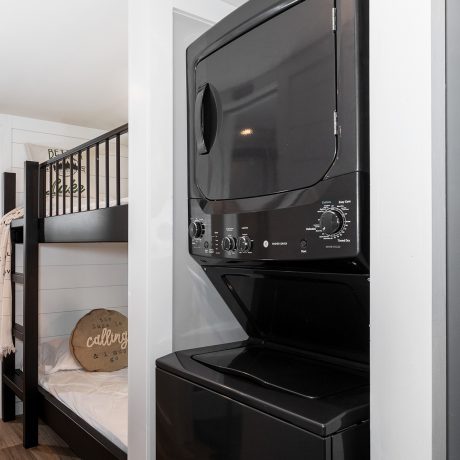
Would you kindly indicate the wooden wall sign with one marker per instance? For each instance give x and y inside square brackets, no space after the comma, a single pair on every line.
[99,341]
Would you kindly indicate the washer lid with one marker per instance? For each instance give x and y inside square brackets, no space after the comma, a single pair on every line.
[264,107]
[284,371]
[322,416]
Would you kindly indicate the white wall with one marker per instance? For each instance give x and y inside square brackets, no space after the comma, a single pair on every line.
[73,278]
[150,221]
[17,131]
[407,102]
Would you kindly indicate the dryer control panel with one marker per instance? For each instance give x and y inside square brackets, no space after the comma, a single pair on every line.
[322,222]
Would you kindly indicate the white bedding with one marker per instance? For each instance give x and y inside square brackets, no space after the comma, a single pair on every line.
[100,398]
[92,205]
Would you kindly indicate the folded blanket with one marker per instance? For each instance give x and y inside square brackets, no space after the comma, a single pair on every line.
[6,305]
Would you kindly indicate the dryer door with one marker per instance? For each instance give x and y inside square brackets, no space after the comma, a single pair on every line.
[264,107]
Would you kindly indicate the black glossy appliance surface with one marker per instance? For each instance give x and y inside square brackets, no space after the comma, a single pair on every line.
[204,413]
[288,372]
[272,96]
[278,98]
[325,313]
[291,228]
[278,142]
[278,202]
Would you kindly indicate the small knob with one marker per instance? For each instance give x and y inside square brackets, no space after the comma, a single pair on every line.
[196,229]
[244,244]
[228,243]
[331,222]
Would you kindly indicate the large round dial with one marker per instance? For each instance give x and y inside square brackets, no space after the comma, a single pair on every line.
[229,243]
[244,244]
[331,222]
[196,229]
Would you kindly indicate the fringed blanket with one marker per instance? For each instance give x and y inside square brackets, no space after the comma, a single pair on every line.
[6,307]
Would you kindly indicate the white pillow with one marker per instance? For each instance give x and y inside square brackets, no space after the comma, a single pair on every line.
[55,356]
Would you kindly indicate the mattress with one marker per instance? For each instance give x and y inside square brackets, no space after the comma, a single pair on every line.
[84,203]
[99,398]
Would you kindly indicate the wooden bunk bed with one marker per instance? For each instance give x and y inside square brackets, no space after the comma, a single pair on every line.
[58,219]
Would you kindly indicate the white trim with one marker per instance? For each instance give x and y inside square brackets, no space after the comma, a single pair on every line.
[151,188]
[408,228]
[439,229]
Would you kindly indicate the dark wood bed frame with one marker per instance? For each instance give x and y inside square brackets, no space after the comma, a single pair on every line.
[108,224]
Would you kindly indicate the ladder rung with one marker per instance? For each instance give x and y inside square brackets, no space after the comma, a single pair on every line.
[18,331]
[17,223]
[15,382]
[17,278]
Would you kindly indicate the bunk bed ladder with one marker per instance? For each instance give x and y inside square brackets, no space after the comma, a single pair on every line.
[24,384]
[8,364]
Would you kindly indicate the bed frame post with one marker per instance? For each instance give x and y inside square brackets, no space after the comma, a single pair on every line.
[9,192]
[42,195]
[30,382]
[8,365]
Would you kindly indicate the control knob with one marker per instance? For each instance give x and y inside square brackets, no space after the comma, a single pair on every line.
[229,243]
[244,244]
[331,222]
[196,229]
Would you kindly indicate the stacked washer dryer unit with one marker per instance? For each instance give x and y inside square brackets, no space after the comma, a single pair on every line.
[279,221]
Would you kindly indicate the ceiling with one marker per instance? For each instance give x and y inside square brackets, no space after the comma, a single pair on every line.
[65,61]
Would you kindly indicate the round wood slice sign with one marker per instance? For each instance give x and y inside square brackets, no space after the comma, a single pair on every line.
[99,341]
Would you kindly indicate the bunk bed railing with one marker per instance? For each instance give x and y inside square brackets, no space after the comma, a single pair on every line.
[67,180]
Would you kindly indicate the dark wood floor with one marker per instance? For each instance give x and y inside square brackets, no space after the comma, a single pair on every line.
[51,447]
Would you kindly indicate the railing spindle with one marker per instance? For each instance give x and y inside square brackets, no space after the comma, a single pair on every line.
[57,181]
[56,170]
[42,186]
[50,172]
[118,170]
[79,180]
[97,176]
[88,179]
[63,187]
[71,184]
[107,173]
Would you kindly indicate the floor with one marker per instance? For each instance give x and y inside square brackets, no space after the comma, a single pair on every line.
[51,447]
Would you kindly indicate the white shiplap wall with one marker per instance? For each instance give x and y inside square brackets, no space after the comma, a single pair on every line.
[74,278]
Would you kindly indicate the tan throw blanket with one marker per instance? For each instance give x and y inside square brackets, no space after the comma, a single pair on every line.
[6,307]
